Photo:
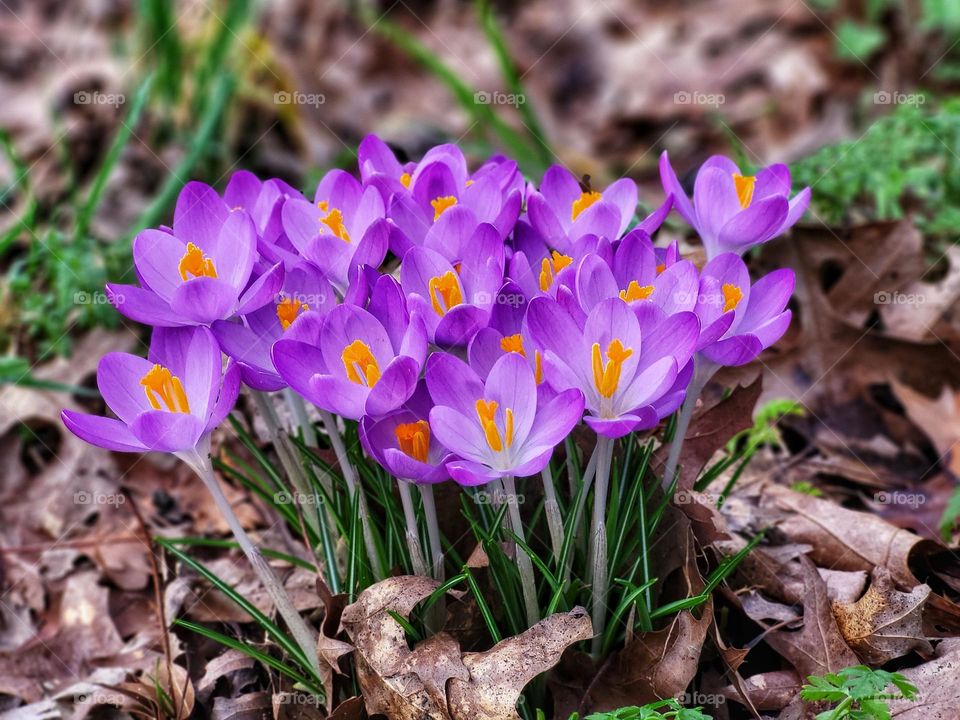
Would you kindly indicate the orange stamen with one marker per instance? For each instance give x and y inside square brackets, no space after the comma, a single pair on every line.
[732,295]
[606,378]
[636,291]
[195,263]
[442,203]
[744,185]
[585,200]
[445,292]
[163,387]
[550,267]
[414,439]
[360,364]
[288,309]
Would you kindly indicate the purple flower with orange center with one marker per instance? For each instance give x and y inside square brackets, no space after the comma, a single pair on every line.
[201,271]
[345,227]
[497,427]
[455,300]
[733,212]
[295,313]
[367,361]
[168,402]
[740,319]
[629,382]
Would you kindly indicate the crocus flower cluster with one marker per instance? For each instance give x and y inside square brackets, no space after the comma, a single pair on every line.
[467,320]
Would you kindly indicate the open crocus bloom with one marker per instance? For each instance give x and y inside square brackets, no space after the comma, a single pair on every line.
[200,272]
[295,314]
[628,385]
[652,289]
[343,228]
[169,402]
[455,300]
[740,320]
[497,428]
[361,367]
[562,211]
[733,212]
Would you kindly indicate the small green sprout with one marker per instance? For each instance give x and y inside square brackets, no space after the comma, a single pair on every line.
[858,693]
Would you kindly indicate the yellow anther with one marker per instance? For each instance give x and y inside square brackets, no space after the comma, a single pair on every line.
[288,309]
[442,203]
[360,364]
[334,220]
[585,200]
[163,387]
[636,291]
[405,180]
[414,439]
[744,185]
[550,268]
[606,378]
[513,343]
[732,295]
[195,263]
[445,292]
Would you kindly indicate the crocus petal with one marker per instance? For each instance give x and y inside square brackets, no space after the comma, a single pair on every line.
[236,250]
[622,195]
[453,383]
[198,216]
[340,397]
[394,387]
[346,324]
[652,222]
[733,351]
[716,201]
[263,290]
[768,297]
[773,329]
[556,419]
[301,222]
[511,385]
[165,431]
[157,256]
[192,354]
[459,325]
[545,220]
[485,350]
[375,156]
[118,378]
[460,434]
[471,474]
[229,390]
[772,180]
[757,224]
[297,363]
[798,206]
[613,427]
[144,306]
[672,186]
[103,432]
[594,282]
[242,190]
[204,299]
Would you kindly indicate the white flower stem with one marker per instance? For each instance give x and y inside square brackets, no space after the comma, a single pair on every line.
[587,481]
[305,638]
[433,530]
[523,560]
[299,409]
[552,510]
[704,370]
[355,490]
[598,534]
[412,534]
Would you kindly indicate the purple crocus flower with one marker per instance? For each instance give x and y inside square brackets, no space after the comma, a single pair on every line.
[455,300]
[296,313]
[168,402]
[733,212]
[740,320]
[343,228]
[562,211]
[628,384]
[496,427]
[403,443]
[200,271]
[367,361]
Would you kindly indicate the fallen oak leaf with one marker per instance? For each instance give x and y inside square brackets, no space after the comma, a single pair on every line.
[885,623]
[498,676]
[938,686]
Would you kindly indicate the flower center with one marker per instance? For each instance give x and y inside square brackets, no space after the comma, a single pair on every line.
[606,377]
[550,267]
[661,267]
[636,291]
[405,180]
[165,390]
[744,185]
[195,263]
[445,292]
[442,203]
[486,410]
[288,309]
[732,295]
[334,220]
[360,364]
[585,200]
[414,439]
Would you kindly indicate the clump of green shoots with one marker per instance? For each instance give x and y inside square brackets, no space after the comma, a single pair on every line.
[857,693]
[669,709]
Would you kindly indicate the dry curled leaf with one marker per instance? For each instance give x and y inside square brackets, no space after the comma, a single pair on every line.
[885,623]
[938,686]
